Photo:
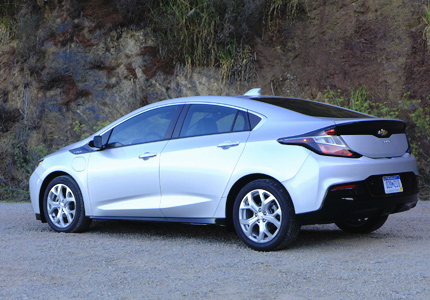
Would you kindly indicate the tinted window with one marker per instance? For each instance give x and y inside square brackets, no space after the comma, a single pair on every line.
[312,108]
[204,119]
[147,127]
[253,120]
[241,122]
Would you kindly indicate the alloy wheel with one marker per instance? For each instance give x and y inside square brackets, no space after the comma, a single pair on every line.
[61,205]
[260,216]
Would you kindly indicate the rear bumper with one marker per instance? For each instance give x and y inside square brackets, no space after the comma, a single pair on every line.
[363,199]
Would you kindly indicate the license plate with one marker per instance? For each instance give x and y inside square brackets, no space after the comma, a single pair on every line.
[392,184]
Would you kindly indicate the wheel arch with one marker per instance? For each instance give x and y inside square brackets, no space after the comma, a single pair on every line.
[43,187]
[235,189]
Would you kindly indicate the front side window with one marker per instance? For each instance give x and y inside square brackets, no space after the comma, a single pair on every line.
[150,126]
[203,119]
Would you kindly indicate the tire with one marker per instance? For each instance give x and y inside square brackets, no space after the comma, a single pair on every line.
[364,225]
[63,206]
[265,226]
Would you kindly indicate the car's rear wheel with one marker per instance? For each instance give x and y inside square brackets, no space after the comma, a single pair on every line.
[264,216]
[362,225]
[64,207]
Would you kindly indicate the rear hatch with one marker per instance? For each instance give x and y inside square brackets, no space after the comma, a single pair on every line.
[374,138]
[360,134]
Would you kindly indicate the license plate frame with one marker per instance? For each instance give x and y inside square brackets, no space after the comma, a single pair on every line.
[392,184]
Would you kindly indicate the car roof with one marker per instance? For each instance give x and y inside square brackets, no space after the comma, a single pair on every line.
[243,102]
[249,102]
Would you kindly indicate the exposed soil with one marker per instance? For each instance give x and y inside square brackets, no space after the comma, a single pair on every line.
[368,43]
[131,260]
[417,71]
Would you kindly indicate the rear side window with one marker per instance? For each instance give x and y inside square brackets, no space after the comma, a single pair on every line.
[203,119]
[241,122]
[313,108]
[253,120]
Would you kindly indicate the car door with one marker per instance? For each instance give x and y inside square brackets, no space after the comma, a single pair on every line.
[196,166]
[123,178]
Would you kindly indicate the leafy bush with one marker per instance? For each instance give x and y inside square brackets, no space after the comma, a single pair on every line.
[27,25]
[215,33]
[201,33]
[426,18]
[417,115]
[18,159]
[8,8]
[275,10]
[82,131]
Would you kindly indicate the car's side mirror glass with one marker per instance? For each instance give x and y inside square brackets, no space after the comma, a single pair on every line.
[98,142]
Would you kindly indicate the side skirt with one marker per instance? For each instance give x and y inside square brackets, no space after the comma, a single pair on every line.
[175,220]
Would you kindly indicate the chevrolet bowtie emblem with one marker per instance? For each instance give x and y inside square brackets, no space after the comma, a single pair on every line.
[382,132]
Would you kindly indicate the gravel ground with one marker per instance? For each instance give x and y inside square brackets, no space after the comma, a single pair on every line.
[131,260]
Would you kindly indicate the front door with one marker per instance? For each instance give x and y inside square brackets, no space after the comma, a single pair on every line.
[123,178]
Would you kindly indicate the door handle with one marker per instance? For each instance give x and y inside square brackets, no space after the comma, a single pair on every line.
[227,145]
[147,155]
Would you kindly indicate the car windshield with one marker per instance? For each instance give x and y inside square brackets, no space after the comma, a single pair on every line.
[312,108]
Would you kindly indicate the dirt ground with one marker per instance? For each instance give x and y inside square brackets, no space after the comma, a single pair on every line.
[132,260]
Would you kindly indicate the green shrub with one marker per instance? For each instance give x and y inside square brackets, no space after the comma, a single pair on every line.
[82,131]
[13,193]
[276,10]
[27,35]
[8,8]
[18,160]
[426,18]
[333,97]
[417,116]
[200,33]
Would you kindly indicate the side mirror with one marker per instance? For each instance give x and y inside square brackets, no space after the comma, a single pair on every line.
[98,142]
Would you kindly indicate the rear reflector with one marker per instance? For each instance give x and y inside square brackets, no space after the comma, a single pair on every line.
[344,187]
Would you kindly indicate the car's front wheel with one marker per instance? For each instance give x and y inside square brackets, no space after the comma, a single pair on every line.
[363,225]
[264,216]
[64,207]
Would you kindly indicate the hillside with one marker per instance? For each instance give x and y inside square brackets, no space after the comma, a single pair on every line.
[69,67]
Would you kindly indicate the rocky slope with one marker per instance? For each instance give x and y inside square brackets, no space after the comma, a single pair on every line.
[69,67]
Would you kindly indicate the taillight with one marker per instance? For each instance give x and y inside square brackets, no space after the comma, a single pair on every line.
[324,142]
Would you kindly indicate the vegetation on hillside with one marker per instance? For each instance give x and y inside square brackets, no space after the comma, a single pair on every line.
[426,19]
[191,33]
[208,33]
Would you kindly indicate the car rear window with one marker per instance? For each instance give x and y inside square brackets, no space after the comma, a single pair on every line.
[312,108]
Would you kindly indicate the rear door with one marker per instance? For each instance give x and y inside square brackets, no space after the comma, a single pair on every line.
[196,166]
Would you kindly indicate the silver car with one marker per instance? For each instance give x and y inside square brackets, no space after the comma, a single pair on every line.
[265,165]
